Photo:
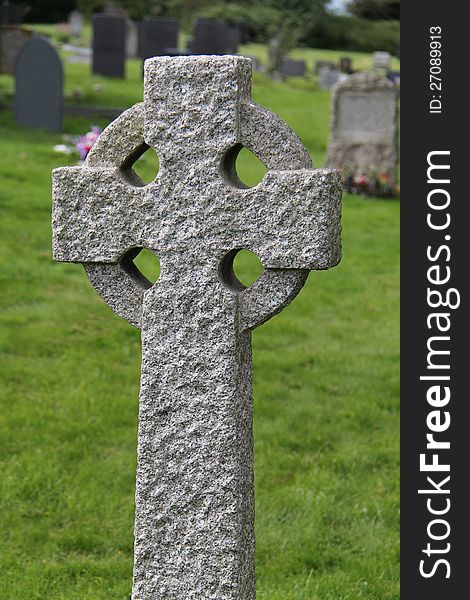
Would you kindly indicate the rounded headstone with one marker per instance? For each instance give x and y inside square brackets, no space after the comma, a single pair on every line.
[39,86]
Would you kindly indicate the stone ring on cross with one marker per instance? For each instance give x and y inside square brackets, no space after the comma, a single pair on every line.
[194,523]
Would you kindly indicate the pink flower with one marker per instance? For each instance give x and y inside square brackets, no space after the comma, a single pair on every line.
[85,142]
[361,180]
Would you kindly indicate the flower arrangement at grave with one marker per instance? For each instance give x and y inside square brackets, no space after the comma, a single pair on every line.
[79,144]
[85,142]
[377,184]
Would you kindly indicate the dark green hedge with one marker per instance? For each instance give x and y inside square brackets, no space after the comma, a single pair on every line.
[351,33]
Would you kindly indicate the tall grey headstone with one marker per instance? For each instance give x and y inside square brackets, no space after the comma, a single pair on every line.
[39,86]
[159,35]
[76,23]
[212,37]
[363,135]
[194,535]
[132,39]
[12,40]
[109,45]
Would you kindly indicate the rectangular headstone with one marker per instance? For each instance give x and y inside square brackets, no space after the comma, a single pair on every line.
[157,36]
[39,86]
[363,133]
[382,60]
[109,45]
[12,40]
[211,37]
[292,68]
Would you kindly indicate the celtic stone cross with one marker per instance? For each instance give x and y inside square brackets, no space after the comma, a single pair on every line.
[194,535]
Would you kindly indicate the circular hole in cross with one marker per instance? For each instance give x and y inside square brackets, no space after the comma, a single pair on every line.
[242,168]
[142,166]
[240,268]
[142,265]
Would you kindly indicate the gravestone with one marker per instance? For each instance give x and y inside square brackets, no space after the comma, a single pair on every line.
[12,40]
[363,135]
[109,45]
[10,14]
[132,39]
[194,534]
[39,86]
[320,65]
[330,77]
[76,23]
[212,37]
[292,68]
[345,65]
[382,60]
[158,36]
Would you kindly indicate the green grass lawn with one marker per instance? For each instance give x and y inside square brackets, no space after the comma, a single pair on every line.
[325,389]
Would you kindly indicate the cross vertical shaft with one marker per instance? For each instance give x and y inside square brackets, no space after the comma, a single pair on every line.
[194,533]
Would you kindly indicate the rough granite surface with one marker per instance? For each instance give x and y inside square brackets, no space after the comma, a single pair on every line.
[194,527]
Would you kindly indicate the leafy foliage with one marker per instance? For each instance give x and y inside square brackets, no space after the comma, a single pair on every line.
[38,11]
[352,33]
[375,10]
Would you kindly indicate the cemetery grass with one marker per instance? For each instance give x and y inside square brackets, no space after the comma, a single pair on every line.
[325,389]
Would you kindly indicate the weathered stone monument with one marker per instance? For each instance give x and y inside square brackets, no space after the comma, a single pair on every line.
[12,40]
[363,135]
[39,86]
[194,535]
[109,45]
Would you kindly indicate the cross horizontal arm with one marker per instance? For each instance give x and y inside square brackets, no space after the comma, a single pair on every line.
[97,215]
[291,220]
